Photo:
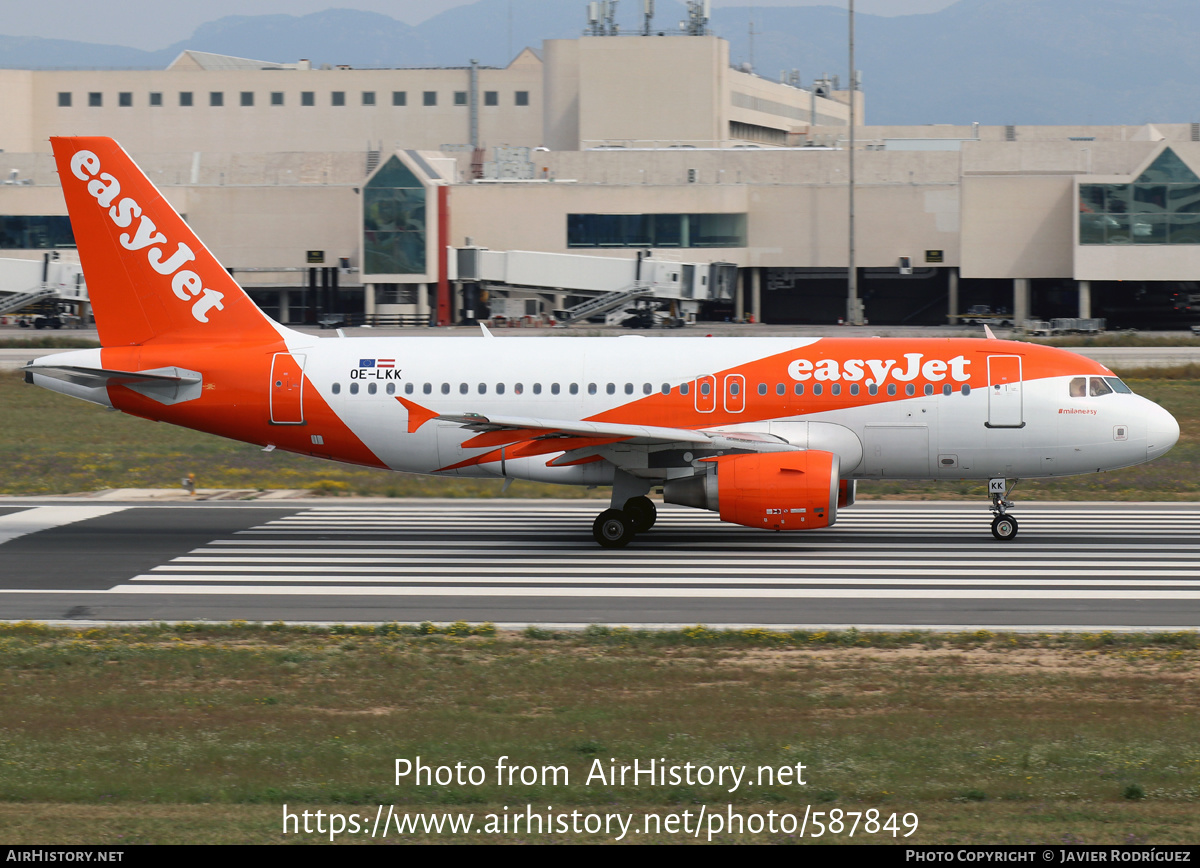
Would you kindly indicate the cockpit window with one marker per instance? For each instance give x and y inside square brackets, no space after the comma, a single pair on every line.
[1100,387]
[1118,386]
[1079,387]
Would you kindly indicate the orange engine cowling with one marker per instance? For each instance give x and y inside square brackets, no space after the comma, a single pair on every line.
[776,490]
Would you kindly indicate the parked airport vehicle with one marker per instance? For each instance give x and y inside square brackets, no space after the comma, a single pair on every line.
[769,432]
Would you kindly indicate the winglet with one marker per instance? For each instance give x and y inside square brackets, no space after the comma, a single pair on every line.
[987,330]
[417,415]
[486,333]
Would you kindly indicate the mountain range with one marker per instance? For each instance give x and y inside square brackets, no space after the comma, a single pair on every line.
[986,61]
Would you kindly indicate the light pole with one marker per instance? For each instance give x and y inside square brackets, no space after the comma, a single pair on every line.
[853,305]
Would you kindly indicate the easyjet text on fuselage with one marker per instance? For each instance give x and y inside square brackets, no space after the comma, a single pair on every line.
[877,370]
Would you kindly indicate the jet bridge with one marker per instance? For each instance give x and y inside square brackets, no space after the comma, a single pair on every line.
[49,287]
[643,290]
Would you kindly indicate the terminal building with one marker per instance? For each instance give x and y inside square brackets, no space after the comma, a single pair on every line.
[358,192]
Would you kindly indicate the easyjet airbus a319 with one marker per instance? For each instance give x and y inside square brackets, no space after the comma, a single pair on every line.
[768,432]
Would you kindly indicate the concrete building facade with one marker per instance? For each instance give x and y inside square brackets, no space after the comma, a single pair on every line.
[325,190]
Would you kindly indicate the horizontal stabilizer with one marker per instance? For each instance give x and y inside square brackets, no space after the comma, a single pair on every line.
[165,385]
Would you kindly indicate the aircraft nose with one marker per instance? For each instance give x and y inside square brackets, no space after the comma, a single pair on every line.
[1162,431]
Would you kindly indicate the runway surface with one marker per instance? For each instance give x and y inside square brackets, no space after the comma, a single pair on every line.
[884,565]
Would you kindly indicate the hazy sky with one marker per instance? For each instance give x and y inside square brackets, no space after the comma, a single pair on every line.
[153,24]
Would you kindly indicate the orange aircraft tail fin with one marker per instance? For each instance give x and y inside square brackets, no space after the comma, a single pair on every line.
[149,277]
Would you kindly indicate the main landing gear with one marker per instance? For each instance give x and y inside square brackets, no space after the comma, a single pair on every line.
[614,528]
[1004,526]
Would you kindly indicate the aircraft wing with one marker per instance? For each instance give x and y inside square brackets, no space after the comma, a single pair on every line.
[583,440]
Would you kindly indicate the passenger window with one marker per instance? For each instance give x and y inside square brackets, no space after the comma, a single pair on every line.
[799,389]
[591,388]
[666,388]
[705,388]
[854,388]
[391,388]
[537,388]
[780,389]
[683,388]
[499,388]
[483,388]
[947,389]
[1099,387]
[445,388]
[928,388]
[354,388]
[463,388]
[647,388]
[518,389]
[816,388]
[554,388]
[891,388]
[372,388]
[762,388]
[611,388]
[574,388]
[966,390]
[872,389]
[734,388]
[910,389]
[337,388]
[1079,387]
[835,389]
[427,389]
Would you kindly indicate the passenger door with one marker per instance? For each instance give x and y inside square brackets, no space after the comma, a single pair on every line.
[1004,392]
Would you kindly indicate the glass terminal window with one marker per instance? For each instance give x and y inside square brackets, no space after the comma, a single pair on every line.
[656,230]
[1162,206]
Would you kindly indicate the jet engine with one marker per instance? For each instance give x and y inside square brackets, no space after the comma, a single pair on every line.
[775,490]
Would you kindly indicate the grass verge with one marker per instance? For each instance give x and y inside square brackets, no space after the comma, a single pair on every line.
[201,733]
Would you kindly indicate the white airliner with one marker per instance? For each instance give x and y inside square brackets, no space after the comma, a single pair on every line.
[769,432]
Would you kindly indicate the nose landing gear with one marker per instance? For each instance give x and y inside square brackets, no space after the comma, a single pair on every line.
[1004,526]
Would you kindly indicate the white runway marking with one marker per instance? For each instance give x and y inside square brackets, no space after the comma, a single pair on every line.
[787,593]
[421,551]
[39,518]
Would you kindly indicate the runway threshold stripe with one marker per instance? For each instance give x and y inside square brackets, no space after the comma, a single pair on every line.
[642,593]
[1111,520]
[829,578]
[230,549]
[722,574]
[39,518]
[800,545]
[741,564]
